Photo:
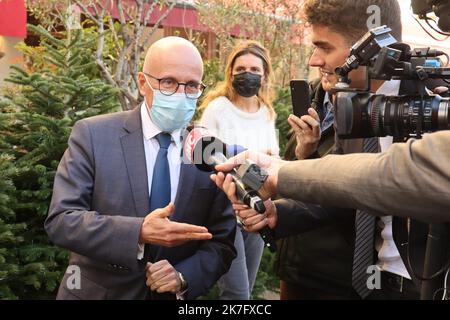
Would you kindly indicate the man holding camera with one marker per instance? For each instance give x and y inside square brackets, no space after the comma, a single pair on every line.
[287,216]
[336,25]
[317,263]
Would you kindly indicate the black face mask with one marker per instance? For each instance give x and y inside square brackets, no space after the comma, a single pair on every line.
[247,84]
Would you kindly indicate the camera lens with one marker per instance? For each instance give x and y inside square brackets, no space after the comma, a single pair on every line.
[408,115]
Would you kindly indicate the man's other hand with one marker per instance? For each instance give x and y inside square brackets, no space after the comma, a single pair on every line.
[162,277]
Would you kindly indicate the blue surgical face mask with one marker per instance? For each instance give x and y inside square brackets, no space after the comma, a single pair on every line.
[172,112]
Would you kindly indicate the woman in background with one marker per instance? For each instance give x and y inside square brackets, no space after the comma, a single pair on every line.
[239,111]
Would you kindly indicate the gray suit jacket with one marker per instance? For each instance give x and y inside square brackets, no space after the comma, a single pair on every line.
[100,199]
[411,180]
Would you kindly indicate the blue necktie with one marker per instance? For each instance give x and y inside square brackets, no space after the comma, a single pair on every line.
[160,191]
[364,241]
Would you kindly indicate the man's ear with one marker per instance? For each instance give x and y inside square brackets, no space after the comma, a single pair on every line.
[142,83]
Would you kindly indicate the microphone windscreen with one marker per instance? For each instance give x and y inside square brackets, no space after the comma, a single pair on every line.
[195,136]
[200,145]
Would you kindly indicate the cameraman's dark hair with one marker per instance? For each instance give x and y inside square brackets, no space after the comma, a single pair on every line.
[349,17]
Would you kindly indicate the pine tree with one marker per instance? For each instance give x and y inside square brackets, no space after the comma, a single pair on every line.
[10,231]
[36,117]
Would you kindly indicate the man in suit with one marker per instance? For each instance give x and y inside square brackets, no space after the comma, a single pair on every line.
[126,206]
[324,254]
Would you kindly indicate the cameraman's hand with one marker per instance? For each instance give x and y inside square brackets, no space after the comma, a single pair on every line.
[440,90]
[157,229]
[307,133]
[253,221]
[271,164]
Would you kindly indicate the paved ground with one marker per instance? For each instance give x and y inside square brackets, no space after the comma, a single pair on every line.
[271,295]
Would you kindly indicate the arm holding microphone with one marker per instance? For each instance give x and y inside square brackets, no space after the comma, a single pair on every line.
[287,217]
[206,151]
[409,180]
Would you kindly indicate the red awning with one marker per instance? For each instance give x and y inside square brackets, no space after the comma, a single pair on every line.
[180,17]
[13,18]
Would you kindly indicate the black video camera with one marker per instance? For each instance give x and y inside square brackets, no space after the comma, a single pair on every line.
[361,114]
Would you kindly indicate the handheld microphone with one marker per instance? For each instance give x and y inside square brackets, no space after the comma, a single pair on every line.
[205,151]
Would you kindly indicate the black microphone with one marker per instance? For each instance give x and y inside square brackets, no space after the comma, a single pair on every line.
[205,151]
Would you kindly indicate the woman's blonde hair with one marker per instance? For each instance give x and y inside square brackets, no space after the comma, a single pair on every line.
[225,88]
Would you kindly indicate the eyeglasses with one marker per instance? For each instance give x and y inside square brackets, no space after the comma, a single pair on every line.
[168,86]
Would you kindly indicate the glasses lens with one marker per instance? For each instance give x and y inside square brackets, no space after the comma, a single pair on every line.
[168,86]
[193,90]
[194,95]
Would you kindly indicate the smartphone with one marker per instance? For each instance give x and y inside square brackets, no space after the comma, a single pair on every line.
[300,96]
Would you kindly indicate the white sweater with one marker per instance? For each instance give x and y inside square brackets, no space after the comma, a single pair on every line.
[253,131]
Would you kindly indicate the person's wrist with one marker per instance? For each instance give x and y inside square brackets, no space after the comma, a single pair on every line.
[274,183]
[305,152]
[313,155]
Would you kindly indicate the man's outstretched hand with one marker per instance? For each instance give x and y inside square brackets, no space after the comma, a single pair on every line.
[157,229]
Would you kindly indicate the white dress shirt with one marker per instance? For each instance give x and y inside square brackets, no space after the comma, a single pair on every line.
[388,256]
[151,148]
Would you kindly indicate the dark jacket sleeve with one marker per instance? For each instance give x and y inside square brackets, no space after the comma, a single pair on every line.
[214,257]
